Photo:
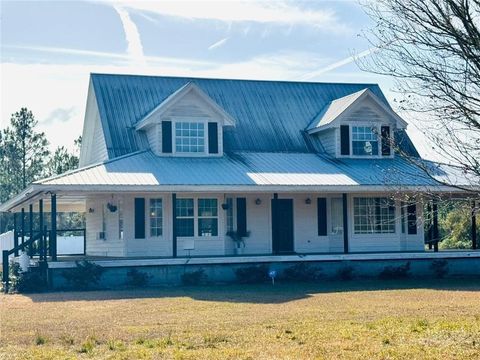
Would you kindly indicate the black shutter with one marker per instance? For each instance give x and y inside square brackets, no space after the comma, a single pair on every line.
[344,140]
[386,141]
[412,219]
[242,216]
[322,216]
[212,138]
[139,218]
[166,136]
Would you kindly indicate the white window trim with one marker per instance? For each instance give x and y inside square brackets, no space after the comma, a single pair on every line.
[198,217]
[188,217]
[378,126]
[351,225]
[147,210]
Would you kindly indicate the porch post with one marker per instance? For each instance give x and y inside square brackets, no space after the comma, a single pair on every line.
[53,231]
[430,226]
[474,227]
[43,248]
[435,225]
[345,223]
[30,228]
[174,224]
[15,232]
[22,222]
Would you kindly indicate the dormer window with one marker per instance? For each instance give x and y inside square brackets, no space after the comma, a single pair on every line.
[189,137]
[364,141]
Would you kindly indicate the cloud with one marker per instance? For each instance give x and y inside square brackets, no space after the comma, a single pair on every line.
[278,12]
[218,44]
[60,115]
[337,64]
[132,36]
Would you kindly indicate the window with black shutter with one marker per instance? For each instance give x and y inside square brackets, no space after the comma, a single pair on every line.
[344,140]
[166,136]
[139,218]
[242,216]
[213,138]
[322,216]
[386,146]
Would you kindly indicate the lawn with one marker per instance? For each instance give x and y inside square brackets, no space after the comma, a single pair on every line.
[347,320]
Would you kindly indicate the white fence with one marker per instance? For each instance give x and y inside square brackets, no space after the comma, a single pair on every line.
[66,245]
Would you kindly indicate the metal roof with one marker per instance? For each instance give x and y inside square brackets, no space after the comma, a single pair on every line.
[270,115]
[246,168]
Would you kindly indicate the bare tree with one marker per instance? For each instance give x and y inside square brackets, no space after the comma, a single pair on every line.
[432,49]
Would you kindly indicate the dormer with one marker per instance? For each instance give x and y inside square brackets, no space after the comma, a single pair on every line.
[359,125]
[187,123]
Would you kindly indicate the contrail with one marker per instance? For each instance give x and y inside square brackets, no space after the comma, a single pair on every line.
[132,36]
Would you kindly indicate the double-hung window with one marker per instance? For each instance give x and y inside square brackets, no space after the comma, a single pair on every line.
[207,217]
[189,137]
[185,217]
[373,215]
[156,217]
[364,141]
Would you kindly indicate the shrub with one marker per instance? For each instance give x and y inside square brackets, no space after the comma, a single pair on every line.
[302,272]
[85,275]
[395,272]
[40,340]
[136,278]
[345,272]
[33,280]
[252,274]
[194,277]
[439,268]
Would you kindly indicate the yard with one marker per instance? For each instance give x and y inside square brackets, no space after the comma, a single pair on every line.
[351,320]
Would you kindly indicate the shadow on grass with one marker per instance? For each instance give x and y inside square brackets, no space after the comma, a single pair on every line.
[260,293]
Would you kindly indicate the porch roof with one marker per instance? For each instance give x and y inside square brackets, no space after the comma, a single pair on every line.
[244,172]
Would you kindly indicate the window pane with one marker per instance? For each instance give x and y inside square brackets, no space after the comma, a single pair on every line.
[185,227]
[156,214]
[189,137]
[337,215]
[374,215]
[207,207]
[208,227]
[184,207]
[364,141]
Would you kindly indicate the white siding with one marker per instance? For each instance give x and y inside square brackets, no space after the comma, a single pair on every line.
[190,105]
[154,136]
[112,245]
[328,140]
[94,148]
[259,224]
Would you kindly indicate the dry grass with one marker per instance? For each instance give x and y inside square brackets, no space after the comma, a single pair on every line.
[352,320]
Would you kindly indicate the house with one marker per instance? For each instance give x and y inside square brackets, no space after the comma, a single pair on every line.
[169,165]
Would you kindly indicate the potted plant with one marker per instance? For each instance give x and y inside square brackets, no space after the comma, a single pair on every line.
[238,239]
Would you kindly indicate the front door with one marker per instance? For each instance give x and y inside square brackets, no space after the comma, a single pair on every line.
[282,226]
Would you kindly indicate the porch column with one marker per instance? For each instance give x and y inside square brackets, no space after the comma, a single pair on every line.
[345,223]
[430,226]
[53,231]
[22,222]
[43,247]
[174,224]
[435,225]
[474,227]
[30,229]
[15,232]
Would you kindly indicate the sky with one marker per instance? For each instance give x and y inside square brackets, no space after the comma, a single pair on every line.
[48,49]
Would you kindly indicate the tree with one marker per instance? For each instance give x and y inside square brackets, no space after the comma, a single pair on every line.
[23,154]
[432,49]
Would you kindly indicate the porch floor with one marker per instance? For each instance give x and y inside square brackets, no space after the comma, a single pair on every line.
[69,261]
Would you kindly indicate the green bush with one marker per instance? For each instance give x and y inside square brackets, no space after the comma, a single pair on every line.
[439,268]
[194,277]
[302,272]
[252,274]
[136,278]
[395,272]
[84,276]
[30,281]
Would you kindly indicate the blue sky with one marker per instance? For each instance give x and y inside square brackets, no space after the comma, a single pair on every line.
[48,48]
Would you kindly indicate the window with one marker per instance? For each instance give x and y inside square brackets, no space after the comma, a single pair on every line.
[189,137]
[374,215]
[230,225]
[185,218]
[336,210]
[120,219]
[156,217]
[207,217]
[364,141]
